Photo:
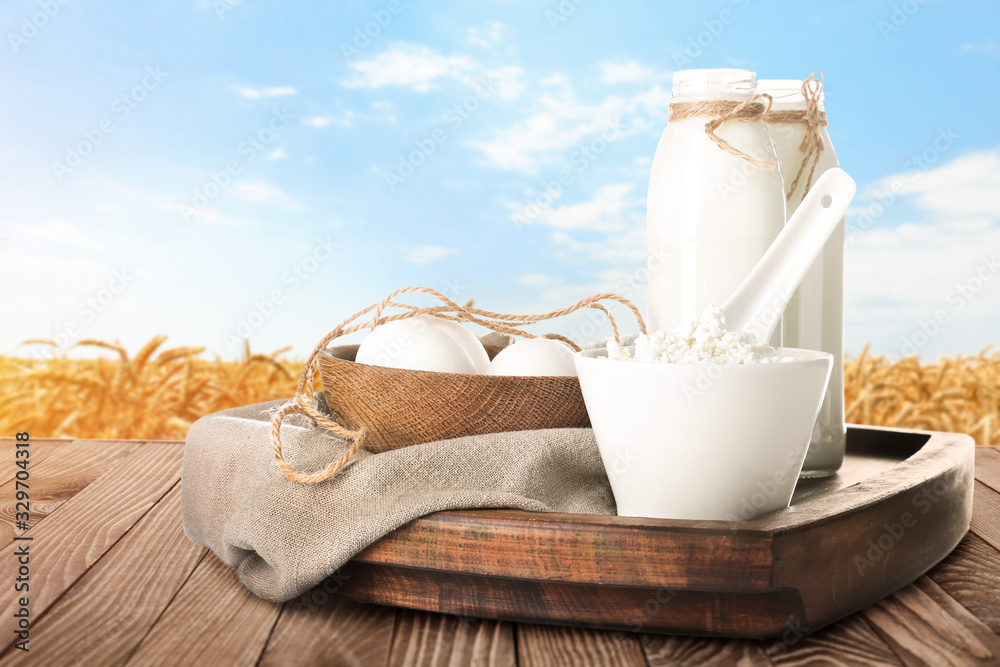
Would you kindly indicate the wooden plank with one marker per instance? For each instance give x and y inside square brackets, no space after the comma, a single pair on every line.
[319,629]
[591,549]
[59,469]
[986,514]
[40,450]
[988,467]
[630,608]
[69,541]
[101,619]
[39,446]
[596,570]
[439,640]
[971,575]
[663,650]
[908,520]
[848,642]
[552,646]
[926,626]
[213,620]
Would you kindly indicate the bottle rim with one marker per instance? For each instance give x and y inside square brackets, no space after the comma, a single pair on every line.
[785,91]
[721,81]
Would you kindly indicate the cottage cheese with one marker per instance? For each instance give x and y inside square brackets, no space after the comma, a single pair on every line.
[703,339]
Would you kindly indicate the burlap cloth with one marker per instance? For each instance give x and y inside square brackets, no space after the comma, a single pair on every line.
[283,538]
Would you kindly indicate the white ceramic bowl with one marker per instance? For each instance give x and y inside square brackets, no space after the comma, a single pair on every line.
[703,441]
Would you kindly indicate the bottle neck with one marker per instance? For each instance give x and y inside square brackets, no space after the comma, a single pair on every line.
[704,85]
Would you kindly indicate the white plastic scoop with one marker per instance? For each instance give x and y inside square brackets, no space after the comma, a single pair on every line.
[757,304]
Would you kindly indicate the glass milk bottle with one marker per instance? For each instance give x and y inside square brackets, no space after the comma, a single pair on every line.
[814,318]
[712,209]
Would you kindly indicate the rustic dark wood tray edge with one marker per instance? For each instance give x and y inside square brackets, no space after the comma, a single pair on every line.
[753,574]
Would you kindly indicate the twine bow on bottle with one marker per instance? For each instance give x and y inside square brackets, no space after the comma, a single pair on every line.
[814,119]
[724,111]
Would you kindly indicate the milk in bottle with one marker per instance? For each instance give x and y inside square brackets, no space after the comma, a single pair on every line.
[814,318]
[716,199]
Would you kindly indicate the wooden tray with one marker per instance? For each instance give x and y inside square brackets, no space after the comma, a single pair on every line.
[901,503]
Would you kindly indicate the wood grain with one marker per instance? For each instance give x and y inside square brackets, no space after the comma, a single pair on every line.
[988,467]
[985,511]
[112,579]
[213,620]
[662,650]
[590,549]
[317,629]
[548,646]
[70,540]
[59,469]
[741,579]
[399,407]
[879,534]
[92,625]
[437,640]
[630,608]
[849,642]
[926,626]
[39,446]
[971,575]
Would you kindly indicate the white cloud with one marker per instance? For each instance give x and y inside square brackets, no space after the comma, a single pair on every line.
[630,71]
[423,69]
[538,280]
[16,265]
[488,37]
[563,123]
[554,80]
[56,232]
[278,153]
[897,279]
[385,110]
[262,192]
[345,120]
[625,248]
[968,185]
[627,280]
[504,82]
[382,112]
[278,91]
[604,212]
[429,253]
[209,216]
[408,65]
[940,262]
[985,47]
[608,229]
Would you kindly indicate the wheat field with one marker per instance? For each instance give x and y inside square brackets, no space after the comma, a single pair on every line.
[157,393]
[154,395]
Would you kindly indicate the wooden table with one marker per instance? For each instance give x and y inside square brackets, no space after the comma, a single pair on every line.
[113,581]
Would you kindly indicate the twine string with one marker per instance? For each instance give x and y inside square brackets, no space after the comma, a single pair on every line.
[814,119]
[304,401]
[724,111]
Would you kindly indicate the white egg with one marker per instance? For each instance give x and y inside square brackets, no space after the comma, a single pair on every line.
[534,356]
[472,345]
[417,345]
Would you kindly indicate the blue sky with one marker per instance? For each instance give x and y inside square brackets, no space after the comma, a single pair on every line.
[177,167]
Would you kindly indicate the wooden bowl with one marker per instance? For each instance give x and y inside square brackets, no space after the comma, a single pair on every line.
[402,407]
